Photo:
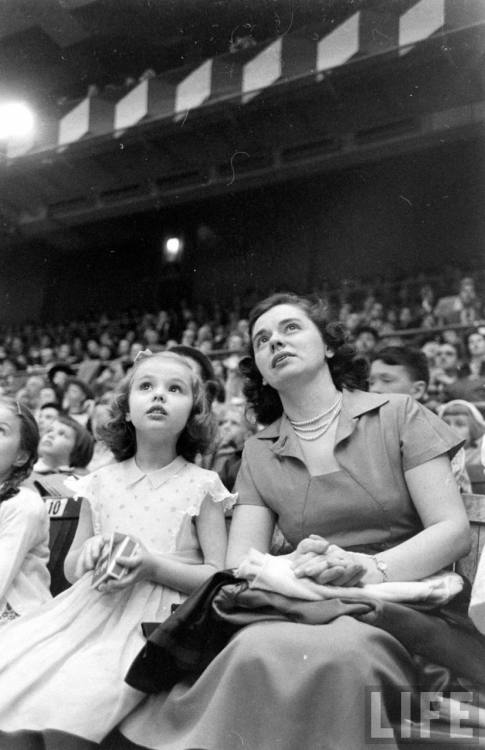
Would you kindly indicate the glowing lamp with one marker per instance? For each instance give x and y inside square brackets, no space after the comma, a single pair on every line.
[172,249]
[16,121]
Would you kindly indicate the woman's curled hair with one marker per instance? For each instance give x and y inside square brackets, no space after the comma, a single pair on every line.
[197,436]
[348,370]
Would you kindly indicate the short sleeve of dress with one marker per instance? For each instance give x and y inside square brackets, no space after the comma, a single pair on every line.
[247,492]
[424,435]
[85,488]
[212,487]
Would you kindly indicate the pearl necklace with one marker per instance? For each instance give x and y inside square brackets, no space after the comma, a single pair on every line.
[319,425]
[304,422]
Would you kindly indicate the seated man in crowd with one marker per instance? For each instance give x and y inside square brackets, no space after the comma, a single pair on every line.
[402,369]
[445,372]
[78,400]
[366,339]
[463,307]
[30,393]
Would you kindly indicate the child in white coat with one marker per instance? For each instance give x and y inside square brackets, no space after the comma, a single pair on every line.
[24,522]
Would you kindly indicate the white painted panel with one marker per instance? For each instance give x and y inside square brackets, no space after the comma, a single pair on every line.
[264,69]
[195,89]
[75,124]
[340,45]
[133,107]
[420,21]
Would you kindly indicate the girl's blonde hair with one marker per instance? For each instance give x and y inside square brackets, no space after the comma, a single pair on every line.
[475,419]
[197,435]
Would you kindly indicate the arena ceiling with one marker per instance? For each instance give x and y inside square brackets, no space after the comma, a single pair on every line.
[56,48]
[146,103]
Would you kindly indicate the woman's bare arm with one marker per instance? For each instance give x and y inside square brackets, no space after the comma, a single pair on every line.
[251,526]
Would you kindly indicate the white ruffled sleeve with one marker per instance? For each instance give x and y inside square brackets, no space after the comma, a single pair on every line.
[85,488]
[211,487]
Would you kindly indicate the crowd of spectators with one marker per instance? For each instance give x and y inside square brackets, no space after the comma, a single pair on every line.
[419,338]
[72,369]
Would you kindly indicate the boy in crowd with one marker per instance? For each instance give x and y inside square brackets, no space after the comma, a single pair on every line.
[399,369]
[402,369]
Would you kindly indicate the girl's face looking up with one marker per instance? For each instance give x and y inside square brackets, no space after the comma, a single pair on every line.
[10,452]
[160,399]
[57,444]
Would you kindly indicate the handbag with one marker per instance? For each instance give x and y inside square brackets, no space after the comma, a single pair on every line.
[186,642]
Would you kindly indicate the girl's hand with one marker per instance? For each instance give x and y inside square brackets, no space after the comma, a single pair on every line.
[89,554]
[140,567]
[326,563]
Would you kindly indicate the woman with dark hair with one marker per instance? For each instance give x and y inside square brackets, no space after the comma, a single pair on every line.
[361,487]
[346,369]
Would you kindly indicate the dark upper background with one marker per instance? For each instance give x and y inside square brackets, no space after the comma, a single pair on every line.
[56,48]
[405,198]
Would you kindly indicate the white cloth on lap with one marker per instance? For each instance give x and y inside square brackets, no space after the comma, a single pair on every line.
[264,571]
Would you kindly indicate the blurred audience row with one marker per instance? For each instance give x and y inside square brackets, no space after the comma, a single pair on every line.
[100,347]
[67,375]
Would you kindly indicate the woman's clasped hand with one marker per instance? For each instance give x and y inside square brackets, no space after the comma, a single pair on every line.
[329,564]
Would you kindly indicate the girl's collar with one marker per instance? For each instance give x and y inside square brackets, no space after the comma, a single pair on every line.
[155,478]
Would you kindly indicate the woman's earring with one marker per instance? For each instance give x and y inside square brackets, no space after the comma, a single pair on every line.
[264,382]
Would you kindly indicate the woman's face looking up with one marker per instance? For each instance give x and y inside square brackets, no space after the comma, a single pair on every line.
[287,344]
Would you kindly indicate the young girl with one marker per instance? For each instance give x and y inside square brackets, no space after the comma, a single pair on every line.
[466,420]
[63,669]
[65,446]
[24,523]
